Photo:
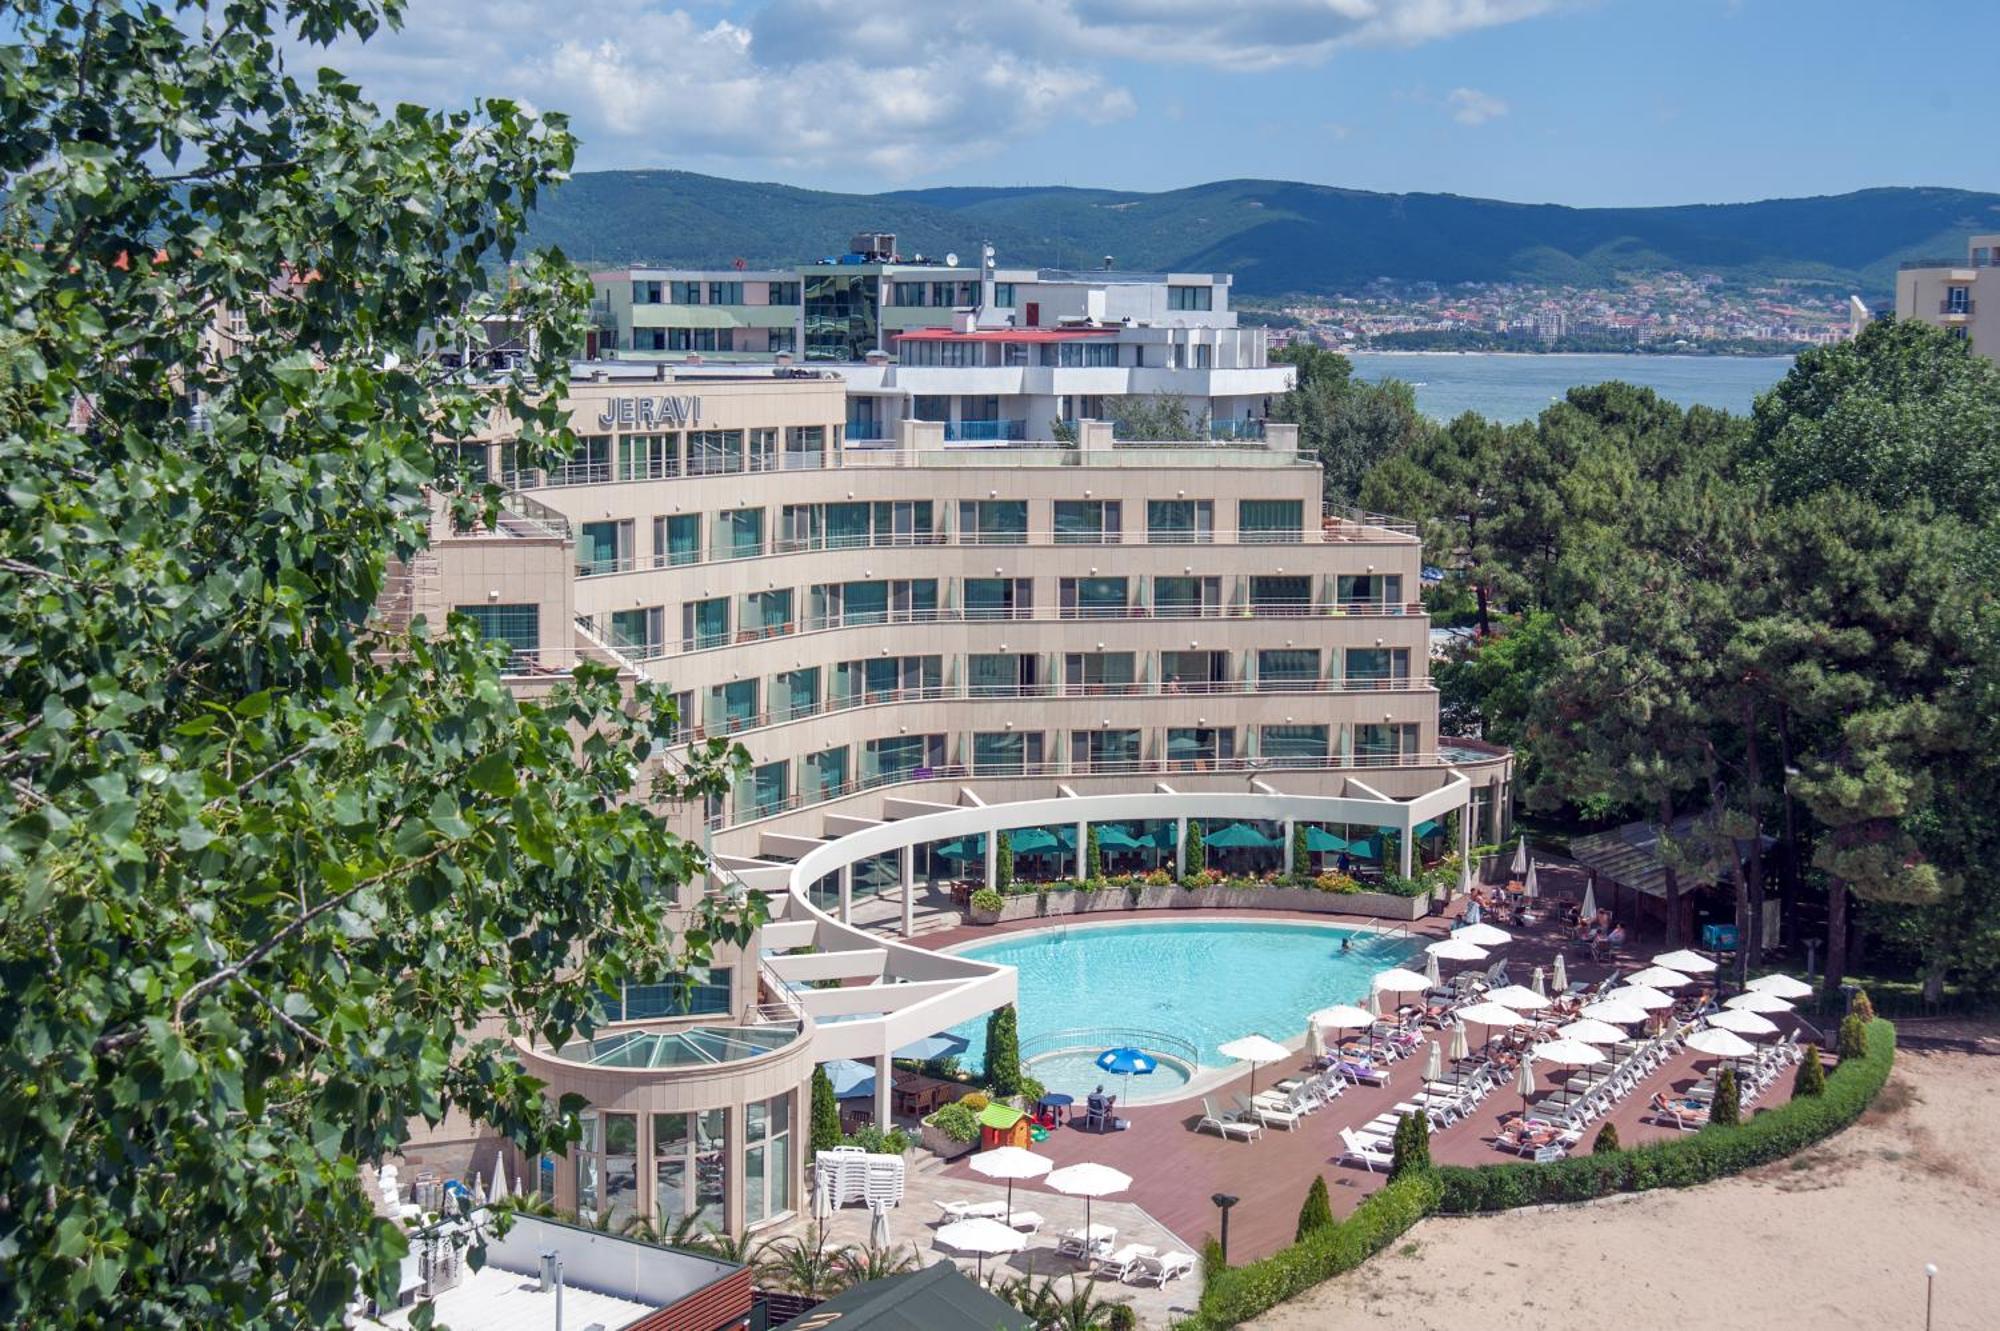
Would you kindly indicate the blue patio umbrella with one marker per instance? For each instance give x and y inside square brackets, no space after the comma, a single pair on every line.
[1129,1063]
[933,1046]
[1319,839]
[1240,836]
[851,1080]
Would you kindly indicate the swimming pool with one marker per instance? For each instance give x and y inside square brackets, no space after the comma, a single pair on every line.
[1202,983]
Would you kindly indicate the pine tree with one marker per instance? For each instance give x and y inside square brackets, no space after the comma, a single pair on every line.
[1412,1146]
[1003,863]
[1196,854]
[1811,1076]
[825,1113]
[1853,1039]
[1093,856]
[1003,1051]
[1317,1212]
[1301,852]
[1726,1110]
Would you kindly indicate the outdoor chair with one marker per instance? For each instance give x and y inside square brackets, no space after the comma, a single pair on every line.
[1120,1265]
[1159,1270]
[1364,1150]
[1268,1113]
[1227,1125]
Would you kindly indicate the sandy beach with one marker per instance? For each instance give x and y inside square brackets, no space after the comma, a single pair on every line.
[1836,1238]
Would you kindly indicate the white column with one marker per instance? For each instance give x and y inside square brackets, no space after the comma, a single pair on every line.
[1082,864]
[1465,845]
[847,894]
[1405,850]
[1289,834]
[992,860]
[882,1075]
[909,890]
[1180,848]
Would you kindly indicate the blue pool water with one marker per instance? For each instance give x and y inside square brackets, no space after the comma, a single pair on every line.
[1202,983]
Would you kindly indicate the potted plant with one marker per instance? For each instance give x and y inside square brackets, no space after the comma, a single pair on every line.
[986,906]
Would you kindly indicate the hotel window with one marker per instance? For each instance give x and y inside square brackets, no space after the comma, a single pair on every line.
[1299,746]
[847,526]
[685,293]
[1003,295]
[805,447]
[1384,745]
[703,993]
[682,717]
[1005,753]
[648,457]
[880,679]
[603,547]
[649,339]
[993,521]
[711,1167]
[1098,672]
[904,522]
[670,1166]
[1383,589]
[767,614]
[784,293]
[907,293]
[739,533]
[1000,674]
[1378,668]
[763,450]
[1191,748]
[1204,356]
[795,693]
[1270,521]
[782,339]
[732,707]
[645,293]
[930,406]
[1094,354]
[1958,300]
[1092,598]
[863,602]
[944,294]
[767,1158]
[1191,298]
[1087,521]
[714,452]
[823,775]
[677,540]
[1180,521]
[640,633]
[1180,596]
[621,1165]
[764,793]
[588,1142]
[725,293]
[1280,594]
[589,464]
[999,598]
[704,624]
[694,339]
[1104,750]
[1193,672]
[901,757]
[1287,668]
[519,626]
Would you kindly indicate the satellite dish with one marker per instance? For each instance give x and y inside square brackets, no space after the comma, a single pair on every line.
[951,261]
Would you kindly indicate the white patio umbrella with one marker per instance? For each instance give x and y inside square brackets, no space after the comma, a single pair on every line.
[1315,1040]
[1530,889]
[1518,997]
[498,1192]
[1343,1017]
[1087,1181]
[1484,935]
[1252,1049]
[1588,910]
[1757,1000]
[1399,980]
[1457,948]
[1539,982]
[878,1225]
[1592,1031]
[981,1237]
[1743,1023]
[1460,1047]
[1434,1061]
[1615,1012]
[1431,971]
[1684,961]
[1010,1163]
[1568,1054]
[1659,977]
[1524,1081]
[1784,986]
[1720,1043]
[1374,1006]
[1645,996]
[1496,1015]
[1561,977]
[1521,856]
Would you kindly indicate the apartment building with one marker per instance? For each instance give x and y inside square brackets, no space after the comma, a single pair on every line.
[1961,298]
[923,642]
[992,353]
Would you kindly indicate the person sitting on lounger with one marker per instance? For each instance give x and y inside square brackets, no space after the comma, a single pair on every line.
[1684,1113]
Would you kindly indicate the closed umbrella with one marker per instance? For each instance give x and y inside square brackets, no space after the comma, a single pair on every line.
[1615,1012]
[1757,1000]
[1431,971]
[1784,986]
[1743,1023]
[1461,1049]
[1434,1061]
[1456,948]
[499,1191]
[1684,961]
[1524,1081]
[1254,1049]
[1659,977]
[1484,935]
[1589,1030]
[1087,1181]
[878,1224]
[1521,856]
[1588,910]
[1529,887]
[981,1236]
[1561,980]
[1010,1163]
[1519,998]
[1374,1004]
[1315,1040]
[1539,983]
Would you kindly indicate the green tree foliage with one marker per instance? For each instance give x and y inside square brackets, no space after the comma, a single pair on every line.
[825,1113]
[1412,1146]
[266,858]
[1093,855]
[1003,863]
[1853,1039]
[1348,424]
[1163,417]
[1003,1051]
[1194,849]
[1213,1263]
[1726,1109]
[1301,850]
[1317,1210]
[1607,1140]
[1810,1079]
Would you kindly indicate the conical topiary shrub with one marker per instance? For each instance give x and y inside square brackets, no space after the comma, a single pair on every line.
[1853,1039]
[1811,1076]
[1317,1213]
[1726,1110]
[1607,1140]
[825,1113]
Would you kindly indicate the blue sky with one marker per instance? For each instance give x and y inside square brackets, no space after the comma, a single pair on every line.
[1572,101]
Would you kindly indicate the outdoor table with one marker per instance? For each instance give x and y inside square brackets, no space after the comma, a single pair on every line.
[1055,1105]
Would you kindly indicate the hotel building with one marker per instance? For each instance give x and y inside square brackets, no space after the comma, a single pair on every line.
[990,353]
[1962,298]
[922,642]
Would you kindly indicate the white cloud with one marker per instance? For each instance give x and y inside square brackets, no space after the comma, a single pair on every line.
[892,88]
[1469,106]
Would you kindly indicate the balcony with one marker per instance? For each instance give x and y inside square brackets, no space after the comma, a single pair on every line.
[985,432]
[1956,309]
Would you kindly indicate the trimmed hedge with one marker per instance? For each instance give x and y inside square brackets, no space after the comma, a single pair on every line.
[1239,1293]
[1242,1292]
[1713,1153]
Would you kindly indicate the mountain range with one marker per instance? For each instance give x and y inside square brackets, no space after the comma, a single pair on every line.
[1278,237]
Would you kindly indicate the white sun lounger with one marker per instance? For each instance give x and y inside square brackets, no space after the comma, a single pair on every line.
[1227,1125]
[963,1210]
[1159,1270]
[1119,1265]
[1369,1151]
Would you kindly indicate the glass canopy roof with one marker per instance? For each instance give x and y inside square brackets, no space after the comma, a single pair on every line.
[689,1047]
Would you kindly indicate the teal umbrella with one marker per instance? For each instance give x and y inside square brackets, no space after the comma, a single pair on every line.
[965,848]
[1163,836]
[1319,839]
[1111,836]
[1363,849]
[1425,828]
[1034,841]
[1240,836]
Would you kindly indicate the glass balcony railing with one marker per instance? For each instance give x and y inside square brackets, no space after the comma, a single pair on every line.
[984,432]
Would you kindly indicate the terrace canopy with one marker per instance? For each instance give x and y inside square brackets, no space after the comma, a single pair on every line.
[1239,836]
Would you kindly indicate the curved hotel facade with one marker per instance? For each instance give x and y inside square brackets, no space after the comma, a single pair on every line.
[922,641]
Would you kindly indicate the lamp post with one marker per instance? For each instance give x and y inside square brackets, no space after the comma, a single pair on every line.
[1224,1201]
[1930,1288]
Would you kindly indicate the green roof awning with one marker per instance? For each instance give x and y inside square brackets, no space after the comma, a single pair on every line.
[938,1298]
[1000,1117]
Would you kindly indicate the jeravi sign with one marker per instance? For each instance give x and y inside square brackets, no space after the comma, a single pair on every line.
[650,413]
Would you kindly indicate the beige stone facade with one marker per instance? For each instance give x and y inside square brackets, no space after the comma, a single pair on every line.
[1964,298]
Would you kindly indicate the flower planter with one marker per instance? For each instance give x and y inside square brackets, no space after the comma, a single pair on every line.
[1067,901]
[943,1146]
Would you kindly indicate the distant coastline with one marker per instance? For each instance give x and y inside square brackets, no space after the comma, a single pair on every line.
[1520,385]
[1680,354]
